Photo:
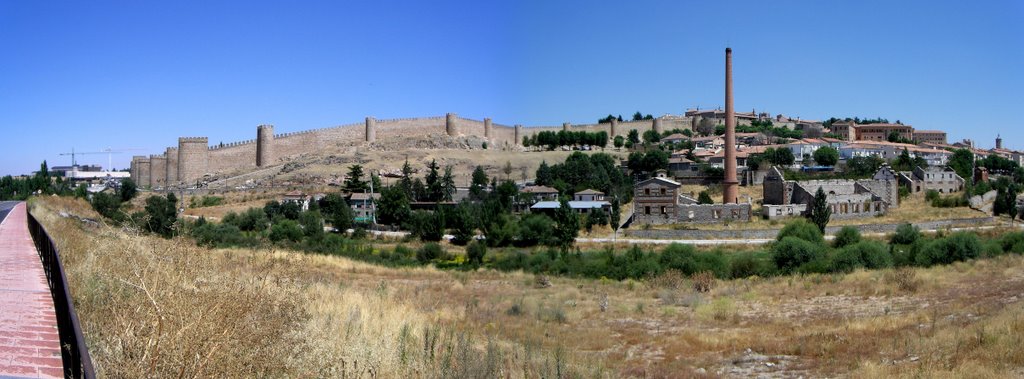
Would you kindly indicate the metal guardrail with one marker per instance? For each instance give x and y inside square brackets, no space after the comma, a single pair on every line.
[77,363]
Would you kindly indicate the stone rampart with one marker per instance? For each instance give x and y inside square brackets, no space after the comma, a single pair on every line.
[144,172]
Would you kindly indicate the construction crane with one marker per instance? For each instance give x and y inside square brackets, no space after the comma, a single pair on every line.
[108,151]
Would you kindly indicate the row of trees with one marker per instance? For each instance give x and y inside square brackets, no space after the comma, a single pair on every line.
[41,182]
[552,140]
[595,171]
[636,117]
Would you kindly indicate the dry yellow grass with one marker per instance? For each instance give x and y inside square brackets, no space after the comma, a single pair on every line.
[335,317]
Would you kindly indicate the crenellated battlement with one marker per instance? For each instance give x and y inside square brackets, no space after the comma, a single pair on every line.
[193,140]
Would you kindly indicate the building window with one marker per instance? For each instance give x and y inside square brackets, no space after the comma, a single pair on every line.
[662,209]
[647,191]
[716,213]
[662,191]
[647,210]
[735,213]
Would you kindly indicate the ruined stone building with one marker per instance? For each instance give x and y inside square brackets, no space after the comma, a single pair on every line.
[940,179]
[657,201]
[848,198]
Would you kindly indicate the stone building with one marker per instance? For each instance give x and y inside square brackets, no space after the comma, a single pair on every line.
[940,179]
[847,198]
[932,136]
[658,201]
[584,202]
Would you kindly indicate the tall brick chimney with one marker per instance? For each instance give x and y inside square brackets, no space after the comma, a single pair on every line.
[730,190]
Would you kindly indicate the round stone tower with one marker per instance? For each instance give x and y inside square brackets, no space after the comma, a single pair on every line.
[143,172]
[449,124]
[136,169]
[157,170]
[193,158]
[518,139]
[566,126]
[264,145]
[172,165]
[371,129]
[615,125]
[487,128]
[656,125]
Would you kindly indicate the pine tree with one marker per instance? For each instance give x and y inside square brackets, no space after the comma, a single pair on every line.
[447,184]
[820,211]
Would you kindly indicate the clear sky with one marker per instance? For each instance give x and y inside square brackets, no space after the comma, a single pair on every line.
[139,74]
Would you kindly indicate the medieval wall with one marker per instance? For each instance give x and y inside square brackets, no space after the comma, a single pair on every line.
[194,158]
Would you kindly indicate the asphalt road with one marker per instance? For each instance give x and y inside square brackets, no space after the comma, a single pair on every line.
[5,208]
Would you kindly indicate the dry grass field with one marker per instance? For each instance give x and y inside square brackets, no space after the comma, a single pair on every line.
[153,308]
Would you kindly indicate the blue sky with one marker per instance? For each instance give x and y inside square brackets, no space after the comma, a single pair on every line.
[130,74]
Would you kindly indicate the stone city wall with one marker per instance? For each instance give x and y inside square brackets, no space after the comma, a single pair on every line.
[193,158]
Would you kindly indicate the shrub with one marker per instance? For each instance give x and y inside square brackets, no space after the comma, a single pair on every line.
[285,229]
[848,235]
[429,252]
[107,205]
[1013,242]
[687,260]
[903,278]
[218,235]
[906,234]
[703,281]
[744,265]
[957,247]
[868,254]
[792,252]
[801,229]
[931,195]
[475,252]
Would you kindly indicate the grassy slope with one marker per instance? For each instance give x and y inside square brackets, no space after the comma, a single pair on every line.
[151,305]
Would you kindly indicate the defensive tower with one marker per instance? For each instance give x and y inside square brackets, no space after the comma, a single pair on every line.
[157,171]
[487,128]
[371,129]
[172,165]
[449,124]
[264,145]
[193,158]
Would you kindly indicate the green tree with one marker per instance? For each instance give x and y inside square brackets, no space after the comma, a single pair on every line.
[312,224]
[638,116]
[651,136]
[478,188]
[802,229]
[82,191]
[252,220]
[615,215]
[826,156]
[962,162]
[460,221]
[337,211]
[633,136]
[161,213]
[619,141]
[568,225]
[435,190]
[905,234]
[848,235]
[285,229]
[426,225]
[393,207]
[107,205]
[127,190]
[704,198]
[507,170]
[475,252]
[354,179]
[447,184]
[791,252]
[544,175]
[821,212]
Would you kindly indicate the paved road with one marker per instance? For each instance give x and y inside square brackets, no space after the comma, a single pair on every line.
[5,208]
[29,344]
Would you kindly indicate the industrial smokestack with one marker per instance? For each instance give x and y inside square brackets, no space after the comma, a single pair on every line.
[730,190]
